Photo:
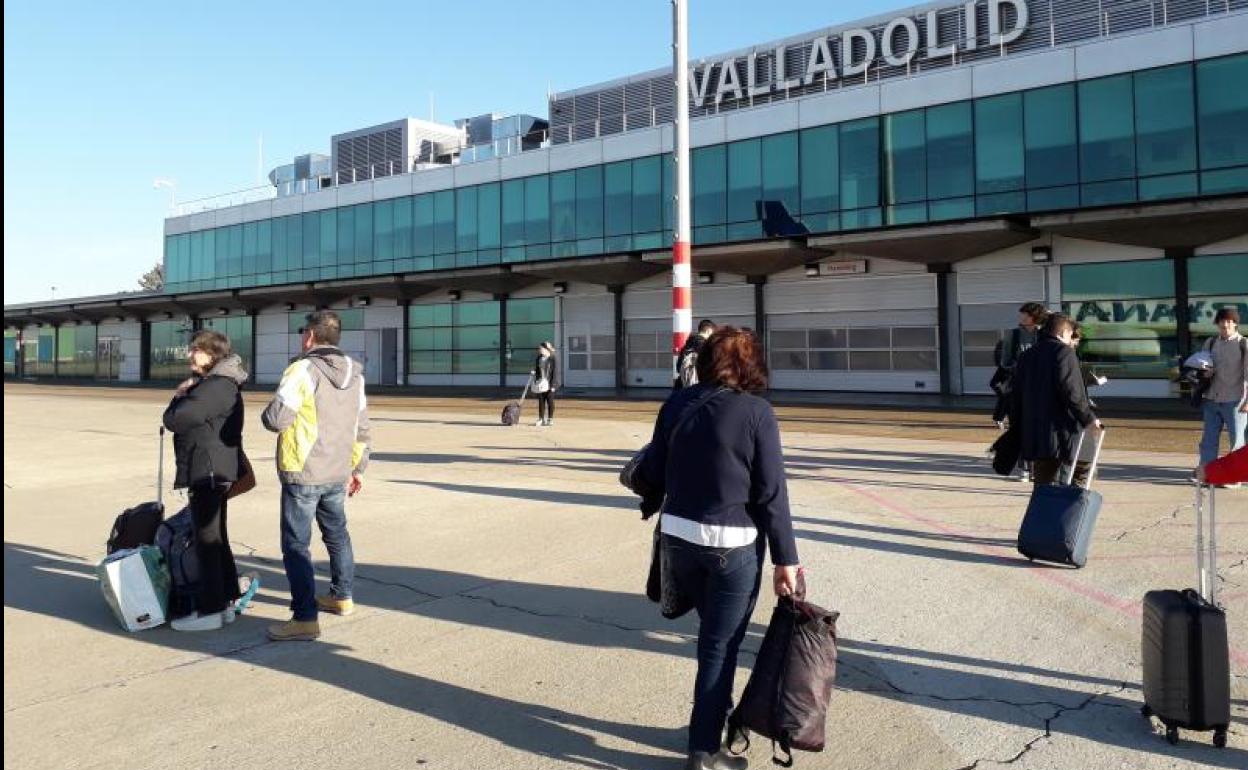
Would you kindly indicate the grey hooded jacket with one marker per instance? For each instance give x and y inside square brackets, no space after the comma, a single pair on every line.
[320,414]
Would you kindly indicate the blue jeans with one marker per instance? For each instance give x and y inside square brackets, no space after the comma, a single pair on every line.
[1219,414]
[724,584]
[327,504]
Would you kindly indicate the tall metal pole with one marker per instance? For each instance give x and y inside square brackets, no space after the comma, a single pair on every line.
[682,285]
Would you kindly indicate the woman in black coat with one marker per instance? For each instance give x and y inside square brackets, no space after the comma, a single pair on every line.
[546,380]
[206,419]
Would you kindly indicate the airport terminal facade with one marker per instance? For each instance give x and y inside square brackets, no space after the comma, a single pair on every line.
[876,198]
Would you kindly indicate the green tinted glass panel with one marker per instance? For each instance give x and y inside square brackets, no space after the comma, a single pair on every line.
[781,172]
[513,212]
[1165,121]
[537,209]
[1052,144]
[860,166]
[363,248]
[820,169]
[536,310]
[264,253]
[466,218]
[489,224]
[617,181]
[422,225]
[589,202]
[1118,280]
[383,229]
[905,157]
[1218,274]
[950,151]
[475,313]
[346,236]
[403,227]
[1106,129]
[251,247]
[329,238]
[1107,193]
[999,157]
[563,206]
[1222,100]
[1162,187]
[444,222]
[710,185]
[745,179]
[647,194]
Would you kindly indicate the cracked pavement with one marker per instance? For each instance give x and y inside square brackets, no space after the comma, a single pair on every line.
[500,621]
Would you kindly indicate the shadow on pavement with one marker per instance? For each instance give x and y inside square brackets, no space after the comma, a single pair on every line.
[63,586]
[1004,542]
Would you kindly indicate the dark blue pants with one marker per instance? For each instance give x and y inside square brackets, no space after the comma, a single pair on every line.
[723,582]
[326,503]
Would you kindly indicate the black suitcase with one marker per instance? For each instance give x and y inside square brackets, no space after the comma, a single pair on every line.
[1187,673]
[1060,518]
[511,412]
[136,526]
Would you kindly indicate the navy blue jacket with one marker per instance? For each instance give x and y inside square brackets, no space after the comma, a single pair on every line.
[727,468]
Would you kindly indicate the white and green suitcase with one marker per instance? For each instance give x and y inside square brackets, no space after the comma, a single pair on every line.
[135,584]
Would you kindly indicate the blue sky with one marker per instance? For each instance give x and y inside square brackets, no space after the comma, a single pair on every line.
[102,98]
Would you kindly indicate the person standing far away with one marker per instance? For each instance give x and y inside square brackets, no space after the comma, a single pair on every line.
[687,359]
[1226,400]
[546,380]
[206,420]
[1050,402]
[724,502]
[321,417]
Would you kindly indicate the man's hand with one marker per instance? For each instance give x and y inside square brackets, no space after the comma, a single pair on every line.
[1098,424]
[1101,379]
[355,485]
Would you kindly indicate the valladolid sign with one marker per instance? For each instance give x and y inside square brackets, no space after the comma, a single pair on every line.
[853,51]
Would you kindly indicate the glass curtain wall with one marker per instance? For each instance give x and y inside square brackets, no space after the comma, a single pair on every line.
[76,351]
[530,322]
[1170,132]
[238,329]
[1129,316]
[1215,282]
[167,350]
[454,338]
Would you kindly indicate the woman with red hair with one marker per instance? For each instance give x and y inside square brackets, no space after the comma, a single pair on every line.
[716,464]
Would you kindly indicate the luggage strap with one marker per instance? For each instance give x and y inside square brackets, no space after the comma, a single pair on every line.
[784,746]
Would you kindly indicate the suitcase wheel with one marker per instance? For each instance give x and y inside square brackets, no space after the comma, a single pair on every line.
[1219,738]
[1172,735]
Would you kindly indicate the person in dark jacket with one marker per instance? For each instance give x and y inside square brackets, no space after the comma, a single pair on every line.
[724,499]
[1050,402]
[206,419]
[546,380]
[687,358]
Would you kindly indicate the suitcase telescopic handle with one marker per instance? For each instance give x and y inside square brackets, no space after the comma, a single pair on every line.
[160,468]
[1206,575]
[1096,456]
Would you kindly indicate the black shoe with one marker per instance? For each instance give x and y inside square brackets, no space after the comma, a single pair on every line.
[720,760]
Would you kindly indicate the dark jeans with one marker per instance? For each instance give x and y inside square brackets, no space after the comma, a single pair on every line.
[1047,471]
[327,504]
[724,585]
[546,405]
[218,575]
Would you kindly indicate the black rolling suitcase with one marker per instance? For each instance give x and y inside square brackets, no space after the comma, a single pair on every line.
[136,526]
[1060,517]
[511,412]
[1187,673]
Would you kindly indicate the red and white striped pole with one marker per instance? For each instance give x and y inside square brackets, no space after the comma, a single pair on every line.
[682,284]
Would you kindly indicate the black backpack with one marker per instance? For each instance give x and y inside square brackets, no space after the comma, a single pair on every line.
[786,698]
[136,526]
[176,540]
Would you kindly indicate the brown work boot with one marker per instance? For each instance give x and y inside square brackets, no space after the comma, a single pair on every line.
[295,631]
[335,605]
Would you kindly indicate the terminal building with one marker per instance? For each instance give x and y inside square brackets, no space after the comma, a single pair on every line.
[877,199]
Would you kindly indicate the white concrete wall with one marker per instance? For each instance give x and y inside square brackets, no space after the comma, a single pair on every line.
[131,334]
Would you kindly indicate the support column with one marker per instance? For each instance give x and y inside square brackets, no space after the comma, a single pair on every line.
[621,364]
[95,375]
[759,282]
[255,353]
[145,351]
[944,327]
[502,339]
[56,350]
[1182,301]
[405,363]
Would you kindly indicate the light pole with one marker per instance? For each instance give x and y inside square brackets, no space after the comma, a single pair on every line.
[172,186]
[682,285]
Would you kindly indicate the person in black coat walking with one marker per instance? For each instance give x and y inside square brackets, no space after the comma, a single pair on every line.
[1050,402]
[206,419]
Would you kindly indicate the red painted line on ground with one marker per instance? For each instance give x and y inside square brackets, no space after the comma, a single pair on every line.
[1129,608]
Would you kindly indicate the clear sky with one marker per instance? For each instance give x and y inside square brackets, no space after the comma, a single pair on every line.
[100,99]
